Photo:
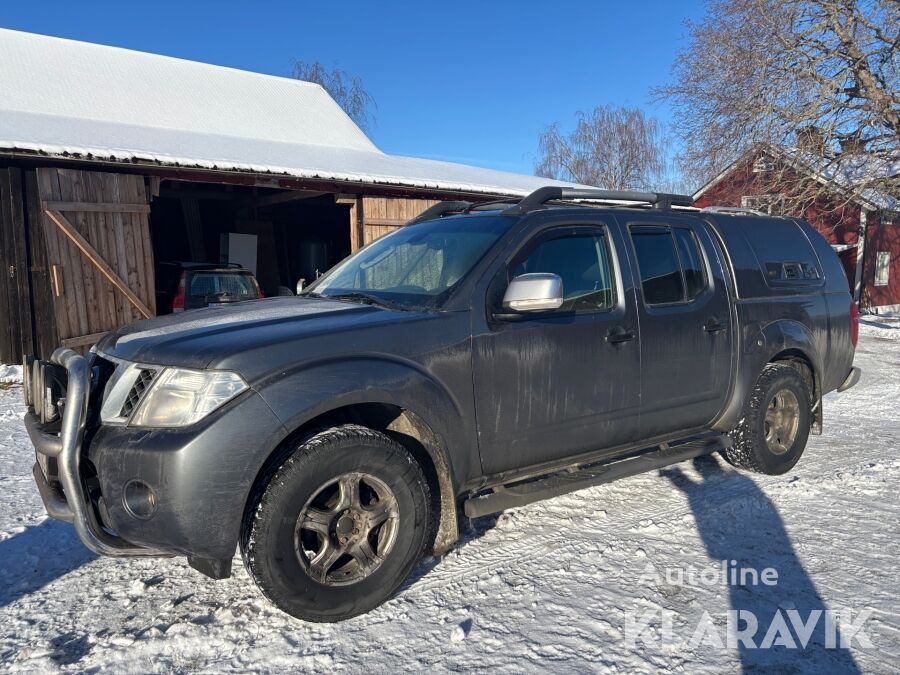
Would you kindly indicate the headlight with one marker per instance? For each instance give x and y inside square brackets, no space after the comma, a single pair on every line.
[179,397]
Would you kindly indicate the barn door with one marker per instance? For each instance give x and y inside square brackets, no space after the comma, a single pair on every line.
[99,253]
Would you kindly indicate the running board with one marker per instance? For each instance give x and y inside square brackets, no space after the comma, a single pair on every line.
[560,483]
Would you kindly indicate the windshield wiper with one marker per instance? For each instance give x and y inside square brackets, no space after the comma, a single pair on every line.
[365,298]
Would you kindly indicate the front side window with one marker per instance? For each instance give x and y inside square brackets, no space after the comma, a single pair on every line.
[582,260]
[671,265]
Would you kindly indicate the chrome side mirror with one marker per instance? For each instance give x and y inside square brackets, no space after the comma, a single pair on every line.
[535,292]
[301,283]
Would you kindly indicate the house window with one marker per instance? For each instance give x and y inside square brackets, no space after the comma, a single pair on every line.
[763,164]
[773,205]
[882,268]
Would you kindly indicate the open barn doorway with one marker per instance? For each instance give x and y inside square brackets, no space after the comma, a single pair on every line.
[281,236]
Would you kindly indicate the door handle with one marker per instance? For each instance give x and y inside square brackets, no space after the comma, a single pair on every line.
[714,326]
[619,334]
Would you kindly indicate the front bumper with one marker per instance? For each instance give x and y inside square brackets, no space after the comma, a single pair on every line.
[73,503]
[202,474]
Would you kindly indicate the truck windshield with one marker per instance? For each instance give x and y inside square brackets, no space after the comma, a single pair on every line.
[414,266]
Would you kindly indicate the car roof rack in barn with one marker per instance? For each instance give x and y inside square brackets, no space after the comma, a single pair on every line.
[537,199]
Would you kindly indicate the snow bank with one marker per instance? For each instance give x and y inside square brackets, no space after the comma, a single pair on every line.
[10,374]
[886,326]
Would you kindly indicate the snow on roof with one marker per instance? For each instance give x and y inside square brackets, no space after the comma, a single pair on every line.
[843,171]
[849,171]
[66,98]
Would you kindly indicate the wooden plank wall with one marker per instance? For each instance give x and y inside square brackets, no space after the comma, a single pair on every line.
[381,215]
[110,212]
[16,330]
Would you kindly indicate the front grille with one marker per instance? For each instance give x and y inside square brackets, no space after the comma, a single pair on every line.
[138,389]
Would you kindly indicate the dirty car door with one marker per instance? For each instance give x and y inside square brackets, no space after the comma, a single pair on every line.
[686,323]
[561,382]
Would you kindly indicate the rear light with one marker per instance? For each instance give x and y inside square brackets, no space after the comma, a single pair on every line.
[178,300]
[854,323]
[259,293]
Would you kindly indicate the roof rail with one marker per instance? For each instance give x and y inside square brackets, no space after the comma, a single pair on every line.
[734,210]
[440,209]
[659,200]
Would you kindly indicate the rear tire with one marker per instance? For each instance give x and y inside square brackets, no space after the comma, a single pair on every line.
[772,433]
[339,525]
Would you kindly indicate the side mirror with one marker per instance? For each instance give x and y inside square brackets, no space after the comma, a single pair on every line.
[538,292]
[301,283]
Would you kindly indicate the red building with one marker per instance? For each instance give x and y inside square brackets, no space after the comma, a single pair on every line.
[864,230]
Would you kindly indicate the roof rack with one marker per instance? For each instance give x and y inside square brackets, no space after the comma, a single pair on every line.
[535,200]
[734,210]
[439,210]
[659,200]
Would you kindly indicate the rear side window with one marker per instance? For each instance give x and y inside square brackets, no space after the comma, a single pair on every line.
[659,266]
[671,264]
[691,262]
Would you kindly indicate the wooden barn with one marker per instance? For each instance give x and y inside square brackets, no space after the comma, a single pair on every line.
[114,163]
[863,230]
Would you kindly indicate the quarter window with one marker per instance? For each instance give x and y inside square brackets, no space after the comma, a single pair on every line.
[582,261]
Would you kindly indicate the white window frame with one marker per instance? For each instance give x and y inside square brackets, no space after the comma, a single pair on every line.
[882,268]
[772,205]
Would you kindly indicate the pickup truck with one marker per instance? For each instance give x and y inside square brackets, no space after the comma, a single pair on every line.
[483,357]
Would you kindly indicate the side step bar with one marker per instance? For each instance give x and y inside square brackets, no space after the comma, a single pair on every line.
[563,482]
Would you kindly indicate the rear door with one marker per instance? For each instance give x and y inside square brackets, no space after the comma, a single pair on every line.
[685,322]
[564,382]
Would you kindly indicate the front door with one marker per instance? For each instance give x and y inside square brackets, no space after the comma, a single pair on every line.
[686,326]
[564,382]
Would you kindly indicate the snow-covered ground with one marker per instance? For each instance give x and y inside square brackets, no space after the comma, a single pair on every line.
[566,584]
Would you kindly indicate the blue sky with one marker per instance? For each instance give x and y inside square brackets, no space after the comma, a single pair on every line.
[462,81]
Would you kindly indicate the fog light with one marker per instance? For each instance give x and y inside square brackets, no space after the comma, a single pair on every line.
[139,499]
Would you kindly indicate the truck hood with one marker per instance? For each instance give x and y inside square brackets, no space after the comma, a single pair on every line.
[199,338]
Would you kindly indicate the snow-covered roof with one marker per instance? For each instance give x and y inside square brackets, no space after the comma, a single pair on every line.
[65,98]
[852,170]
[845,172]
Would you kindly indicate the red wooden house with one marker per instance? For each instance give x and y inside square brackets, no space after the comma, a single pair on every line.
[864,230]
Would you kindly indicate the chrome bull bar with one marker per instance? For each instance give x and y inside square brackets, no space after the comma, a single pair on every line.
[73,505]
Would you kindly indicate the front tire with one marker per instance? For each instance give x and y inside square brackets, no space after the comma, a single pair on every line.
[772,433]
[339,525]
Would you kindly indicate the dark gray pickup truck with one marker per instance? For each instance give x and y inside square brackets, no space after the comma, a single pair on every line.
[483,357]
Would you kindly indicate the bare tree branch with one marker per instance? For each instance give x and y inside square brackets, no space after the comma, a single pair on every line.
[346,89]
[611,147]
[819,78]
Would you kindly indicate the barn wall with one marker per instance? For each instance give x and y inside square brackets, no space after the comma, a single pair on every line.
[882,235]
[15,290]
[98,251]
[381,215]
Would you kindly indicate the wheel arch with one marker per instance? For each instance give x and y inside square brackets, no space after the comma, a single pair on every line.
[784,340]
[801,361]
[403,425]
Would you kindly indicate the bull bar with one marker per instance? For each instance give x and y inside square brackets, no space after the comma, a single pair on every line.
[73,504]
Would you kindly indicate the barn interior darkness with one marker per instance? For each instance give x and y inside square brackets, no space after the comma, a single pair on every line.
[296,234]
